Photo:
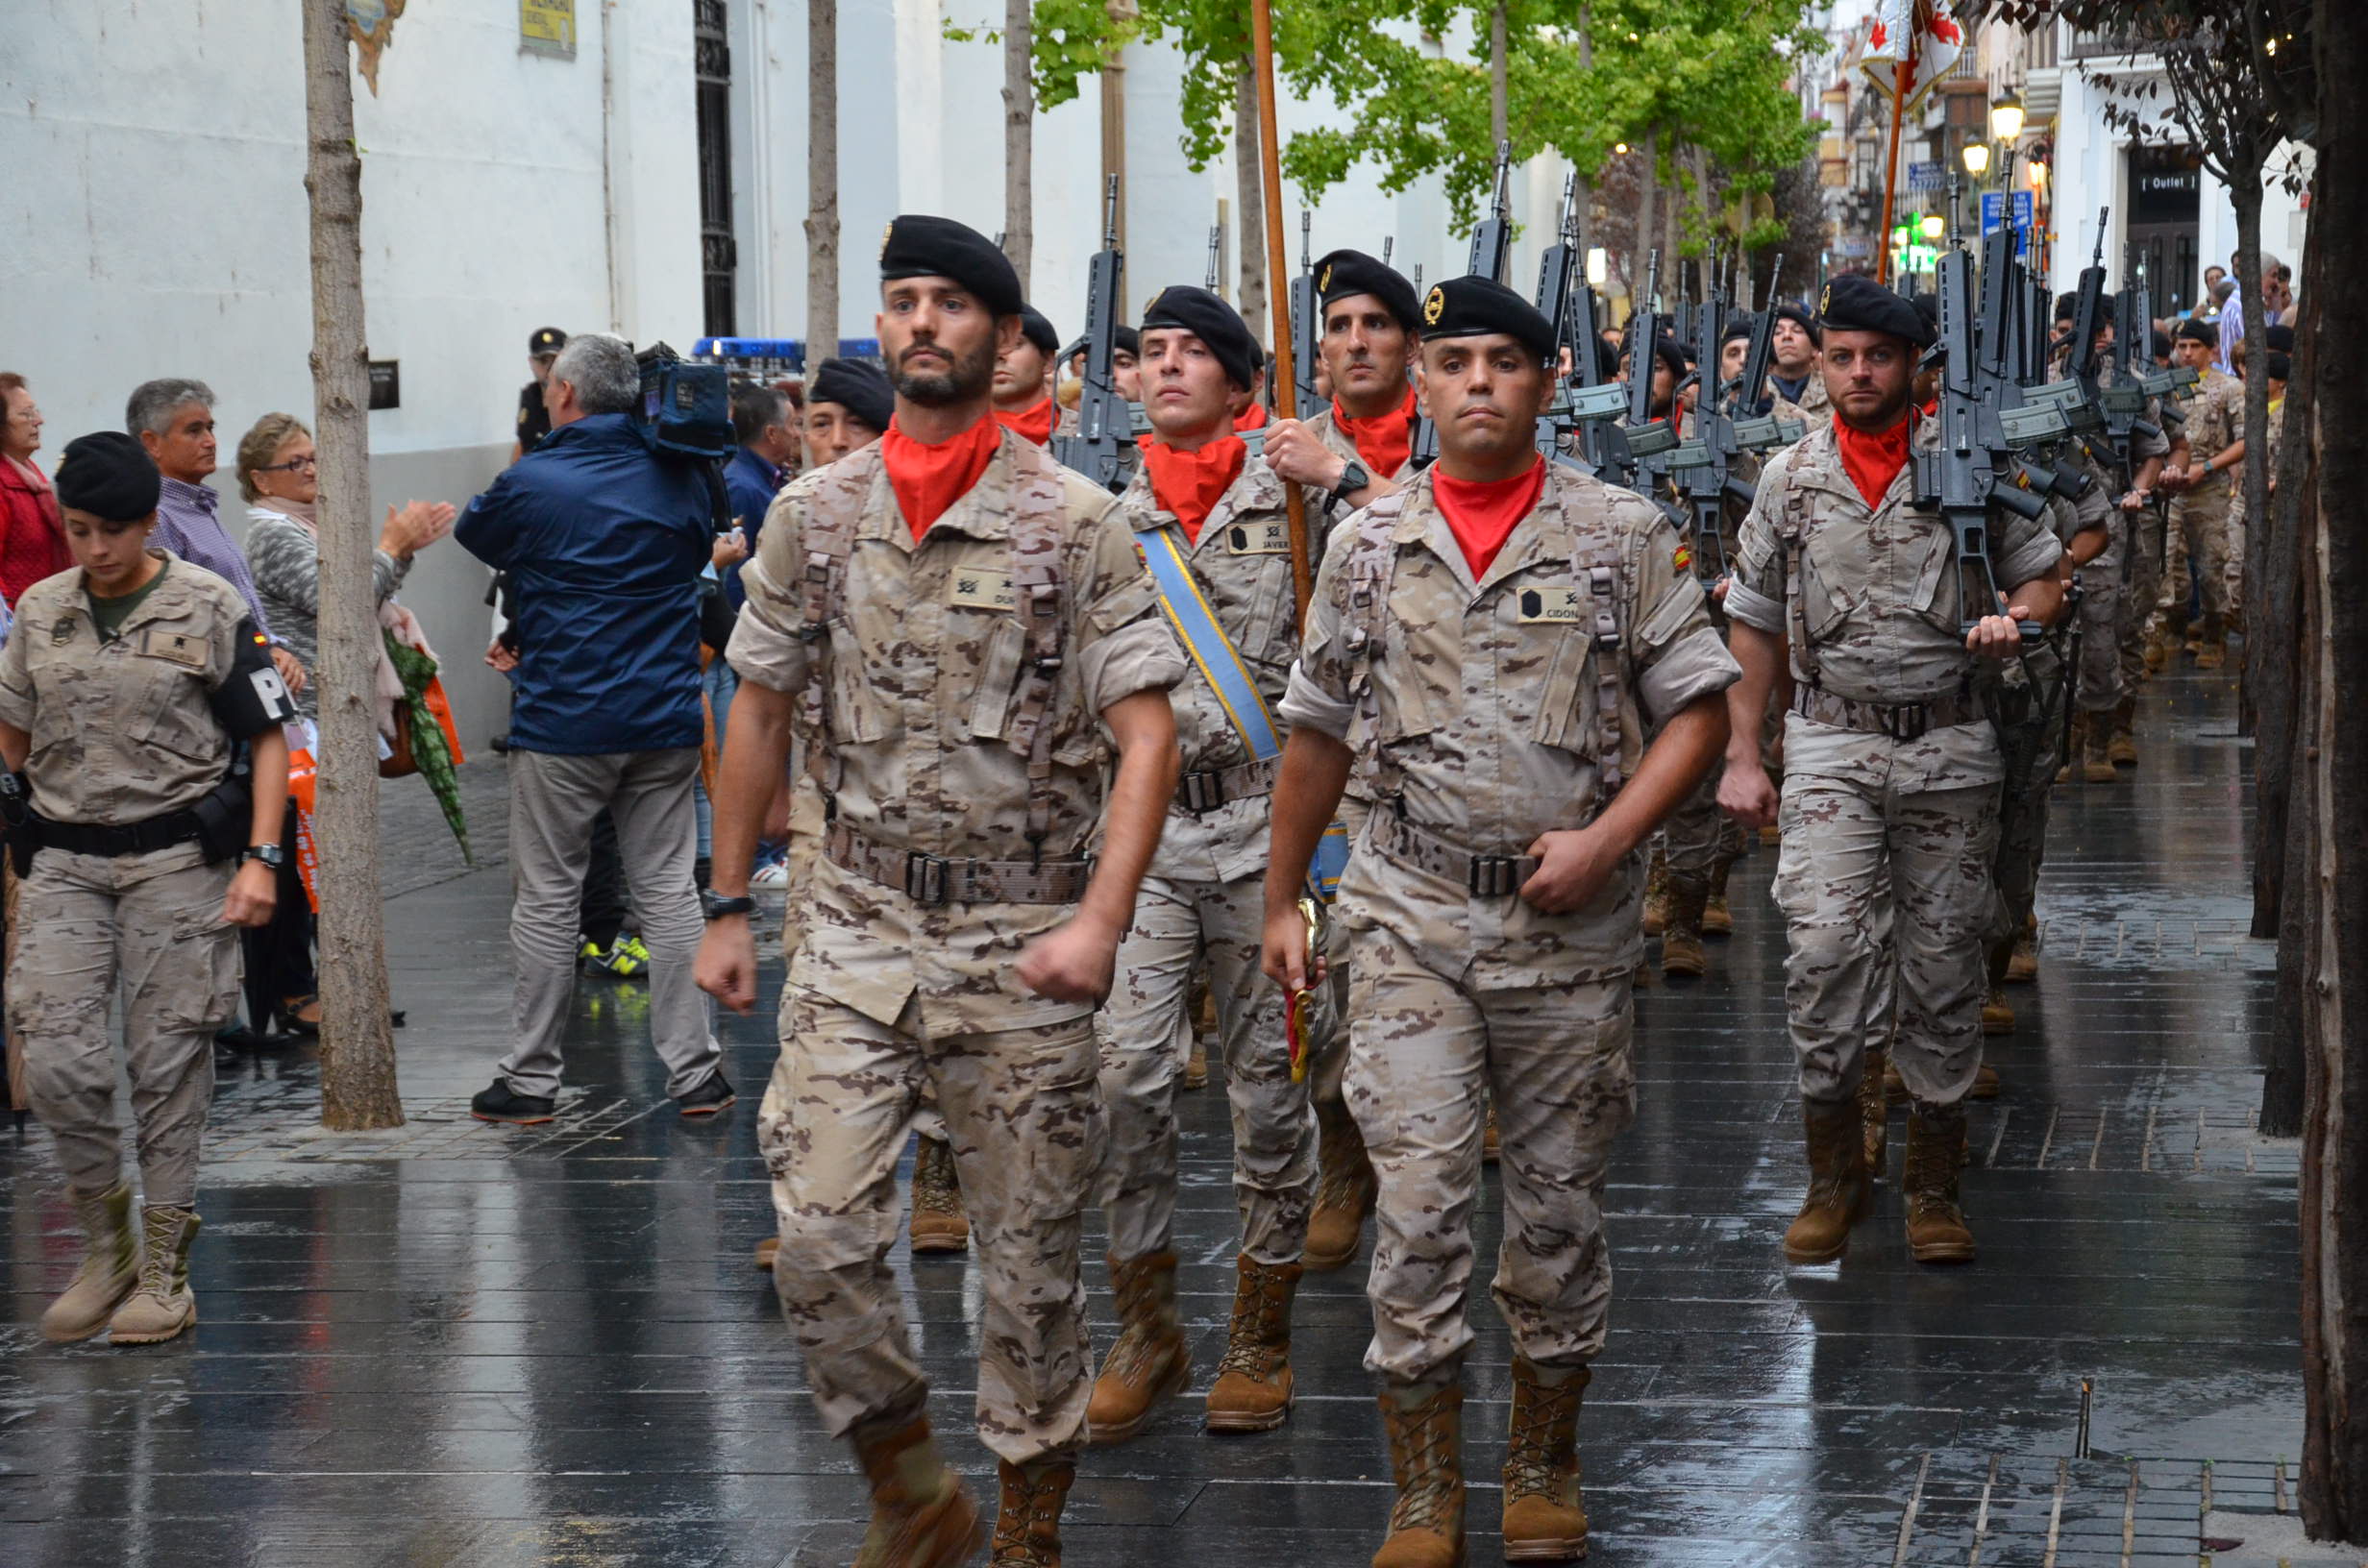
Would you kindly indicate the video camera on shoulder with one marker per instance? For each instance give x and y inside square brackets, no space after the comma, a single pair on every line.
[685,407]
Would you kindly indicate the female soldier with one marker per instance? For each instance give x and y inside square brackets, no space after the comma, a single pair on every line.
[125,689]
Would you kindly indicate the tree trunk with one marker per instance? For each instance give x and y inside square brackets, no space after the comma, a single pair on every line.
[1648,233]
[2331,968]
[1498,132]
[357,1041]
[1019,136]
[1251,197]
[822,181]
[1706,262]
[1583,35]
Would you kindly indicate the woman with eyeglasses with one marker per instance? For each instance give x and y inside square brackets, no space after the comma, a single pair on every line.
[32,534]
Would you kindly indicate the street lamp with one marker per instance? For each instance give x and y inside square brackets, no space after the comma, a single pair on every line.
[1977,159]
[2006,117]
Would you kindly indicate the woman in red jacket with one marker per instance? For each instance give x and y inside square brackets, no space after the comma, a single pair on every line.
[31,538]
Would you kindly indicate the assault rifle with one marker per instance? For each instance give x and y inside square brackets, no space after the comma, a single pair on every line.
[1701,465]
[1105,424]
[1306,325]
[1960,476]
[1648,438]
[1565,300]
[1491,251]
[1217,241]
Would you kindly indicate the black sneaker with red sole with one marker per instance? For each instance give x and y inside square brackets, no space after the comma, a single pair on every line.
[712,1096]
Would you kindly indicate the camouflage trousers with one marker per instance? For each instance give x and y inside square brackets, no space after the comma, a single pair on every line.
[1697,837]
[1024,1118]
[1558,1063]
[2031,743]
[2141,589]
[150,927]
[1324,1015]
[1881,884]
[1145,1031]
[2198,532]
[2102,615]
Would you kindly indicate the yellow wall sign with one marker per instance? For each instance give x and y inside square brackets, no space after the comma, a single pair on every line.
[547,27]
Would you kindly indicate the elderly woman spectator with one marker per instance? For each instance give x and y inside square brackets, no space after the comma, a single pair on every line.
[32,534]
[280,478]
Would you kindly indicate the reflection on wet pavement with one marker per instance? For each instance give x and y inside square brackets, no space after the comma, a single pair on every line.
[456,1343]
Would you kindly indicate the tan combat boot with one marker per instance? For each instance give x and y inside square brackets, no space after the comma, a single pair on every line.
[2071,768]
[1680,931]
[939,1225]
[1997,1018]
[1657,893]
[1028,1522]
[1252,1391]
[922,1514]
[109,1269]
[2211,645]
[1545,1515]
[1837,1185]
[2122,748]
[164,1306]
[1343,1191]
[766,1251]
[1150,1362]
[1427,1462]
[2096,749]
[2023,963]
[1936,1231]
[1875,1114]
[1717,919]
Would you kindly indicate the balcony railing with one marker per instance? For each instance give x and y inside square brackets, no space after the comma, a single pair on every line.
[2104,43]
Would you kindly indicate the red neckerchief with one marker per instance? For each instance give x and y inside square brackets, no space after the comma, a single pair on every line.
[1033,423]
[929,479]
[1383,441]
[1874,461]
[1251,417]
[1190,483]
[1482,514]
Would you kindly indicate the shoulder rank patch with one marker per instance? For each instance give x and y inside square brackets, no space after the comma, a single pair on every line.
[980,588]
[1549,607]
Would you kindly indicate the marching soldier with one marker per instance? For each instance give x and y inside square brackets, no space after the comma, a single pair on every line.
[1793,344]
[950,613]
[2197,476]
[1489,647]
[127,687]
[2098,550]
[1891,769]
[1022,379]
[1210,519]
[1345,456]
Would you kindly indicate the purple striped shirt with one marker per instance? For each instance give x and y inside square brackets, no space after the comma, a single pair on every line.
[187,526]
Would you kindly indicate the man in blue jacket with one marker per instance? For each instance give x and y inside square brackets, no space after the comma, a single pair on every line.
[605,543]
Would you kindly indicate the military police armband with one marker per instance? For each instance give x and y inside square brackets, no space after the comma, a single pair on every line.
[252,697]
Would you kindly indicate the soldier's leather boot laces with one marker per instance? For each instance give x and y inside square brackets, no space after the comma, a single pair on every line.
[1936,1230]
[1544,1516]
[1149,1362]
[1253,1387]
[1028,1526]
[1426,1461]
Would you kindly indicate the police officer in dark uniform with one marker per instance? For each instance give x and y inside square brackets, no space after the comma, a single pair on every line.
[139,720]
[533,419]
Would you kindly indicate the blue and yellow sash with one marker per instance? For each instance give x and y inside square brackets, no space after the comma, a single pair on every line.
[1188,610]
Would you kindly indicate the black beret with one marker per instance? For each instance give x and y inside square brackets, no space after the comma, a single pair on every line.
[108,474]
[1038,330]
[1854,302]
[1181,307]
[2280,366]
[1927,305]
[1788,311]
[2067,306]
[919,246]
[856,386]
[1477,306]
[1739,324]
[1344,274]
[1126,340]
[1664,350]
[546,340]
[2159,344]
[2197,331]
[2280,338]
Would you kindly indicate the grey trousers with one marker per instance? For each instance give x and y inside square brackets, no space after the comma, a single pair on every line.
[553,800]
[149,927]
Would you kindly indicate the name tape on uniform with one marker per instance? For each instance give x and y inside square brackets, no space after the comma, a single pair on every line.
[1258,539]
[1549,607]
[981,588]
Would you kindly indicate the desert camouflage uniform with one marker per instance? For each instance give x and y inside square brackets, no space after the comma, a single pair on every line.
[926,660]
[2105,597]
[2138,538]
[1481,716]
[122,732]
[1205,896]
[2200,514]
[2031,736]
[1871,613]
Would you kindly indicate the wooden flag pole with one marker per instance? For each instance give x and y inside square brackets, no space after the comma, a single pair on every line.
[1890,164]
[1278,297]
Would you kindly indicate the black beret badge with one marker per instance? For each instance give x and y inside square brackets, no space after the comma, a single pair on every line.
[1825,300]
[1323,284]
[1434,305]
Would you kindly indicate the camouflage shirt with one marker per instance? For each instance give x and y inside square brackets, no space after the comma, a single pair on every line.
[1482,716]
[123,730]
[1878,595]
[1243,561]
[923,667]
[2215,422]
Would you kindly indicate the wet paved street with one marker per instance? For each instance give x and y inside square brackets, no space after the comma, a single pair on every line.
[461,1344]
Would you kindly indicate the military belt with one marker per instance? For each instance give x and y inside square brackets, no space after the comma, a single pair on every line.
[1483,876]
[935,879]
[163,832]
[1205,792]
[1900,721]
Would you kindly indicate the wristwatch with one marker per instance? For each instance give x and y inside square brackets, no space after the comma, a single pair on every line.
[270,855]
[716,908]
[1353,478]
